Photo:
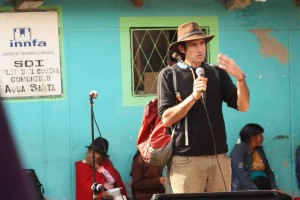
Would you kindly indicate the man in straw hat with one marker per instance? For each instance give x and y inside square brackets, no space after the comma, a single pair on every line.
[200,162]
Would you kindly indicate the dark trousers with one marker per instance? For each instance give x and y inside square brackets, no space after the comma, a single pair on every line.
[263,183]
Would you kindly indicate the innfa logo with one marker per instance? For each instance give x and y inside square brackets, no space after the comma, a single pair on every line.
[22,34]
[23,38]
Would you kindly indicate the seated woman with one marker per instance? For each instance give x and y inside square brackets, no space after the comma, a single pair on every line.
[106,174]
[146,179]
[250,167]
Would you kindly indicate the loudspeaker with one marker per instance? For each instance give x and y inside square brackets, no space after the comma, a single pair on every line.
[240,195]
[32,179]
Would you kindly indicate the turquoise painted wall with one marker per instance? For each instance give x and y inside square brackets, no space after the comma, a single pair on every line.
[51,134]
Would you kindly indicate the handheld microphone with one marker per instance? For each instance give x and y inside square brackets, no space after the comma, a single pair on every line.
[98,188]
[200,73]
[93,94]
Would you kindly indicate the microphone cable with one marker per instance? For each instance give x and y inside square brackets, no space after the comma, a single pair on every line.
[215,147]
[212,134]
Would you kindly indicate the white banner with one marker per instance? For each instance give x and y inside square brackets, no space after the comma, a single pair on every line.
[30,55]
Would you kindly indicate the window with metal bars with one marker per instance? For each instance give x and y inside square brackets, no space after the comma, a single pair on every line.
[149,54]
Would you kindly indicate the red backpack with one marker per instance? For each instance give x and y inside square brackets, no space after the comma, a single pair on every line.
[154,143]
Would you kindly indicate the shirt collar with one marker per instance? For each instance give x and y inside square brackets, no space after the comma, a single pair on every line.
[185,66]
